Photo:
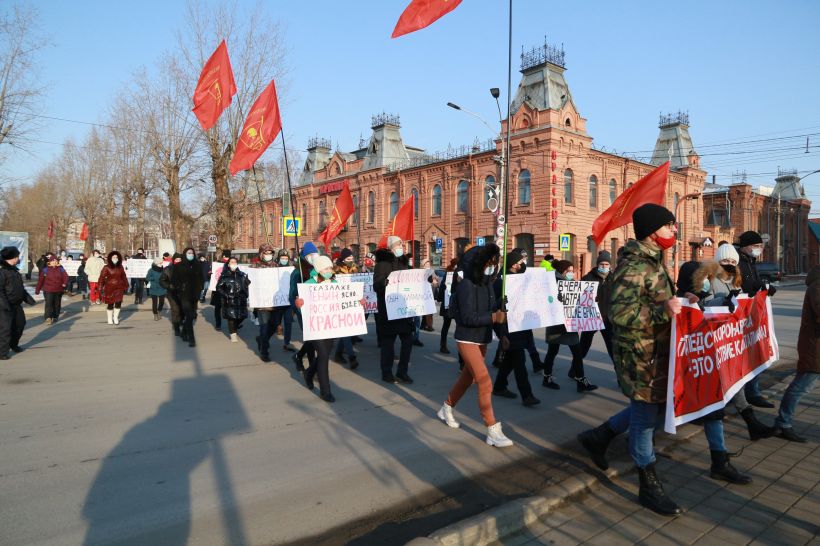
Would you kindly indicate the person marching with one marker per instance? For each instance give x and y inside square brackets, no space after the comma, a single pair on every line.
[388,260]
[216,300]
[12,296]
[283,314]
[232,287]
[444,310]
[186,277]
[113,284]
[93,267]
[475,310]
[52,281]
[82,278]
[155,289]
[319,349]
[303,270]
[267,316]
[166,280]
[558,335]
[346,265]
[137,284]
[603,265]
[513,344]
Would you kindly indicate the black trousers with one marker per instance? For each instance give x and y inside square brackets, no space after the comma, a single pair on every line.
[233,325]
[176,309]
[188,308]
[514,361]
[12,324]
[115,305]
[386,342]
[586,341]
[318,353]
[445,328]
[577,367]
[53,304]
[138,286]
[157,303]
[217,299]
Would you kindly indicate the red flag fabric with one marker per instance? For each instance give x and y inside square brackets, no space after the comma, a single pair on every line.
[50,229]
[649,189]
[422,13]
[215,88]
[84,232]
[261,127]
[401,225]
[341,212]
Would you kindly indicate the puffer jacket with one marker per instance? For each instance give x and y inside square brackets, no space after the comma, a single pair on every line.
[12,292]
[93,268]
[233,289]
[641,327]
[152,278]
[808,340]
[473,301]
[722,285]
[52,279]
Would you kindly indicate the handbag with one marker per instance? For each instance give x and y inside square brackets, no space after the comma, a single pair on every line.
[559,335]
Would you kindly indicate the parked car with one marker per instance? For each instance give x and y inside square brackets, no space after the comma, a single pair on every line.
[768,271]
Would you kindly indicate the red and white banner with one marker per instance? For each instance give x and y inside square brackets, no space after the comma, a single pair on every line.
[714,353]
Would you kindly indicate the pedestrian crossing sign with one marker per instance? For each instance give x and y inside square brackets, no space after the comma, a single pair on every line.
[564,242]
[292,226]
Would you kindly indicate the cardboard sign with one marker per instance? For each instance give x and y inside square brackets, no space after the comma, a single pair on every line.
[332,310]
[216,270]
[448,285]
[137,269]
[270,286]
[532,299]
[71,267]
[581,313]
[369,294]
[409,294]
[713,354]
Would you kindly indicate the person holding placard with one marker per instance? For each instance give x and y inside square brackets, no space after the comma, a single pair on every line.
[600,274]
[216,300]
[72,279]
[346,265]
[138,283]
[268,317]
[476,310]
[443,295]
[113,284]
[232,287]
[388,260]
[52,281]
[82,278]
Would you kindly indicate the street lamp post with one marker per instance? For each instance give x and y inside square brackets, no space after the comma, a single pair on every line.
[687,197]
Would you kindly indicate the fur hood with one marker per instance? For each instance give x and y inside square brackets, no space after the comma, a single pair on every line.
[385,255]
[472,262]
[111,255]
[715,270]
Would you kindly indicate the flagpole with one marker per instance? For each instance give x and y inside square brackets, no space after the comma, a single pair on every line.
[507,160]
[259,197]
[292,207]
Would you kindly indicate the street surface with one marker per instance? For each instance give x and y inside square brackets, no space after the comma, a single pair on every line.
[125,434]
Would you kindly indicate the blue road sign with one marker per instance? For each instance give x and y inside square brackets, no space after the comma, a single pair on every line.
[439,244]
[479,241]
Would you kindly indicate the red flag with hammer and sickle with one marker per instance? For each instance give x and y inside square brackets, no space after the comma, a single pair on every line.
[342,210]
[215,89]
[261,127]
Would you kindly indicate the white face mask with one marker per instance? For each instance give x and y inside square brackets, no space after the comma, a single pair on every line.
[267,257]
[756,252]
[398,252]
[489,270]
[310,257]
[233,267]
[569,276]
[115,260]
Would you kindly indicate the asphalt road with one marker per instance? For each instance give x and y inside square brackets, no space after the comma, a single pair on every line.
[125,435]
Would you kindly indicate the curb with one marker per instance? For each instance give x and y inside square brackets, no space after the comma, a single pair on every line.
[502,521]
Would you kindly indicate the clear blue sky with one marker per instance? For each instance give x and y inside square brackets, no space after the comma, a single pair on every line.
[741,69]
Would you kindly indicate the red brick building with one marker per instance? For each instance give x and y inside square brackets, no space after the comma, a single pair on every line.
[559,183]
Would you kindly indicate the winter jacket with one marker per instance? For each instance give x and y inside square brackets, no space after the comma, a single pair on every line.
[752,283]
[473,301]
[295,280]
[386,263]
[205,266]
[52,279]
[113,283]
[152,278]
[641,328]
[233,289]
[12,292]
[808,340]
[186,278]
[93,268]
[344,269]
[722,285]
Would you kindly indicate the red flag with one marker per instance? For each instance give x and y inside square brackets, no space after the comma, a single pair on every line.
[341,212]
[50,229]
[215,88]
[261,127]
[84,232]
[422,13]
[649,189]
[401,225]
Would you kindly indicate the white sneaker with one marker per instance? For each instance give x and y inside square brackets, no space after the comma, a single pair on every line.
[445,413]
[234,338]
[496,438]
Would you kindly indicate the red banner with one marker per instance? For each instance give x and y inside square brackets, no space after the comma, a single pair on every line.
[714,353]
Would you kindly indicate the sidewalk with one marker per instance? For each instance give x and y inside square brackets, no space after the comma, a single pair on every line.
[781,506]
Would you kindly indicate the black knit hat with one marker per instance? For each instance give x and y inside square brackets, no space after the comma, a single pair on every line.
[649,218]
[604,256]
[749,238]
[345,254]
[226,253]
[9,252]
[513,257]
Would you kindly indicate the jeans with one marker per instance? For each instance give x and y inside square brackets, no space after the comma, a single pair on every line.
[138,287]
[204,290]
[800,385]
[345,345]
[289,320]
[752,388]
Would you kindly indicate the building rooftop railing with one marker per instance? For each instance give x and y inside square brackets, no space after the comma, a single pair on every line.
[542,54]
[317,142]
[786,172]
[452,153]
[676,118]
[384,119]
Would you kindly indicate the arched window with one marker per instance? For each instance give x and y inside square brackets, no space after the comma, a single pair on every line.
[593,192]
[490,191]
[463,197]
[613,191]
[437,200]
[675,202]
[355,221]
[415,193]
[394,204]
[322,214]
[371,207]
[524,195]
[568,186]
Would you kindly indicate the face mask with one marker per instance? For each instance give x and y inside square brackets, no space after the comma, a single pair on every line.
[707,285]
[728,268]
[398,252]
[349,262]
[326,274]
[309,258]
[756,252]
[603,270]
[368,263]
[569,276]
[233,267]
[489,270]
[522,268]
[267,257]
[115,260]
[665,242]
[284,261]
[190,257]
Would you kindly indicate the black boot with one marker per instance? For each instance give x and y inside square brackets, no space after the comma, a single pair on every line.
[722,469]
[652,495]
[184,335]
[176,328]
[354,362]
[339,358]
[757,430]
[582,384]
[444,350]
[596,441]
[191,340]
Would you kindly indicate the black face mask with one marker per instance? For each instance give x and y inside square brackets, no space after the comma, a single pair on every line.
[522,268]
[728,268]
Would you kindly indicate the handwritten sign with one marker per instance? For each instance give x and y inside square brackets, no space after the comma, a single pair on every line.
[533,300]
[409,294]
[581,313]
[216,270]
[71,267]
[332,310]
[369,294]
[448,285]
[137,269]
[270,286]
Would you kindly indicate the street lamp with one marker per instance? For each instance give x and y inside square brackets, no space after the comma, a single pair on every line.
[687,197]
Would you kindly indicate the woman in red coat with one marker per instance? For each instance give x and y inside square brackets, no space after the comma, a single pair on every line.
[113,284]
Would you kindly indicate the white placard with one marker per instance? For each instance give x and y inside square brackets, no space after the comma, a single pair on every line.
[533,300]
[369,294]
[409,294]
[270,286]
[332,310]
[216,270]
[37,297]
[137,269]
[581,313]
[71,267]
[448,285]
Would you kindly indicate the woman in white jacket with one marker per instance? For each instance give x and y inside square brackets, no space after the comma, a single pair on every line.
[93,267]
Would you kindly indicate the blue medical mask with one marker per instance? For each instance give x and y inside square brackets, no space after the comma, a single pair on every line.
[707,285]
[489,270]
[603,270]
[570,276]
[398,252]
[284,261]
[190,257]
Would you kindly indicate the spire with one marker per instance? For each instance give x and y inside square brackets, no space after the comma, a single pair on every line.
[386,145]
[542,85]
[788,186]
[674,143]
[318,156]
